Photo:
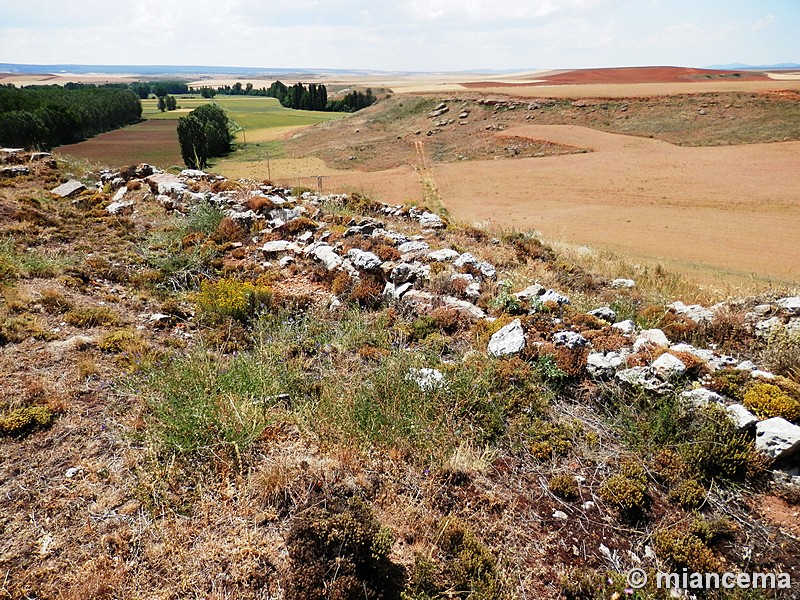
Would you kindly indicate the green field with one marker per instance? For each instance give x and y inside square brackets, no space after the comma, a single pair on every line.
[252,113]
[258,121]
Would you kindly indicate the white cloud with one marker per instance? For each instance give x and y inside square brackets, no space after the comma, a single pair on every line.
[762,23]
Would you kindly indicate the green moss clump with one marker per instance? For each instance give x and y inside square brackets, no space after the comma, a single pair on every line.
[767,400]
[22,421]
[91,317]
[684,550]
[627,490]
[564,486]
[688,494]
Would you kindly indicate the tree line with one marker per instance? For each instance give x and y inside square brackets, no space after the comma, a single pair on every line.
[298,96]
[160,89]
[47,116]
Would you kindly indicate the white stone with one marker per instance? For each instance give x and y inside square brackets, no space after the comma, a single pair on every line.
[741,417]
[641,378]
[766,327]
[532,291]
[560,514]
[668,367]
[700,353]
[65,190]
[279,246]
[778,438]
[790,305]
[625,327]
[426,379]
[650,337]
[553,296]
[364,260]
[464,308]
[443,255]
[120,194]
[758,374]
[508,340]
[569,339]
[619,284]
[396,291]
[430,220]
[605,313]
[328,256]
[412,246]
[695,312]
[122,207]
[603,365]
[702,397]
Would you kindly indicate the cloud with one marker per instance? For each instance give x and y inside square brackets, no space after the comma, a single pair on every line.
[762,23]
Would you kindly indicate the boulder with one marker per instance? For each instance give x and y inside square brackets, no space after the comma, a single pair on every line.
[443,255]
[364,260]
[396,291]
[569,340]
[553,296]
[508,340]
[405,272]
[603,365]
[120,194]
[532,291]
[766,327]
[65,190]
[605,313]
[429,220]
[652,338]
[667,367]
[741,417]
[16,171]
[791,305]
[702,397]
[778,438]
[464,308]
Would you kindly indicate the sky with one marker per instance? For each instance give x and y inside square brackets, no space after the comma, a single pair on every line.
[401,35]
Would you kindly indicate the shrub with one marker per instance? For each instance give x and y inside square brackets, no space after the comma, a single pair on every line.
[55,303]
[782,354]
[564,485]
[730,383]
[22,421]
[683,550]
[339,551]
[298,225]
[688,494]
[92,317]
[231,298]
[767,400]
[549,439]
[228,230]
[627,490]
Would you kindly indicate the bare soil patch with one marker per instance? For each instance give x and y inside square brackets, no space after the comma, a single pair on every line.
[154,142]
[730,209]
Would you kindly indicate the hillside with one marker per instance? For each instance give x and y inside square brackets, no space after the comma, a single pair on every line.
[230,389]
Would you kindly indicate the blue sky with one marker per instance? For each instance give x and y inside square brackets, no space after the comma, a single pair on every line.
[411,35]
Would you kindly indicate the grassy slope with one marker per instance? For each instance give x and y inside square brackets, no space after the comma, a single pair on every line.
[193,476]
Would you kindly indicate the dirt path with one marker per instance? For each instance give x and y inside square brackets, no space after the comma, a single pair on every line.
[732,211]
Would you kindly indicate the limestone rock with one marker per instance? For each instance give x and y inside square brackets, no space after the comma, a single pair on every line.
[427,379]
[642,378]
[650,337]
[569,339]
[65,190]
[791,305]
[443,255]
[778,438]
[121,207]
[605,313]
[625,327]
[695,312]
[530,292]
[621,284]
[741,417]
[603,365]
[364,260]
[668,367]
[508,340]
[277,247]
[409,247]
[766,327]
[327,256]
[702,397]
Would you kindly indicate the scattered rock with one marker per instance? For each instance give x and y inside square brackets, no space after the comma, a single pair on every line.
[741,417]
[642,378]
[65,190]
[778,438]
[605,313]
[270,249]
[569,340]
[651,338]
[603,365]
[791,305]
[508,340]
[695,312]
[411,247]
[702,397]
[16,171]
[553,296]
[668,367]
[327,256]
[443,255]
[364,260]
[532,291]
[622,284]
[627,328]
[766,327]
[121,207]
[426,379]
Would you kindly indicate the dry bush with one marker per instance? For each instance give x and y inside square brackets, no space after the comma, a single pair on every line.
[260,204]
[228,230]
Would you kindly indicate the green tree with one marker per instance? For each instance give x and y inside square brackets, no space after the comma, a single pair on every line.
[192,139]
[203,133]
[162,104]
[171,103]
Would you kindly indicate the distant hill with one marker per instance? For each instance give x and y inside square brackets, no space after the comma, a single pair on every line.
[744,67]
